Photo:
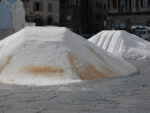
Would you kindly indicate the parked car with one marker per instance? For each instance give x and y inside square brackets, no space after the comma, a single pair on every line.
[142,31]
[86,36]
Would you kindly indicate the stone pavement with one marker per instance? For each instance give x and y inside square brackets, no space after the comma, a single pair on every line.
[130,94]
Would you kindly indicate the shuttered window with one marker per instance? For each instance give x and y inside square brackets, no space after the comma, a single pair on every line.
[37,6]
[49,7]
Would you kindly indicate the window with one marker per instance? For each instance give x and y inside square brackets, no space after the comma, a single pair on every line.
[114,4]
[49,7]
[88,3]
[96,4]
[100,5]
[148,3]
[123,6]
[104,6]
[126,4]
[137,3]
[37,6]
[108,4]
[67,2]
[145,3]
[141,2]
[133,3]
[63,2]
[77,2]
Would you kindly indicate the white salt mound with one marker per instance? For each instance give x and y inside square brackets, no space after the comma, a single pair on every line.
[55,55]
[122,44]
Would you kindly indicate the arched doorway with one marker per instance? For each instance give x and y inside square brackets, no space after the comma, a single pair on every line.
[49,20]
[38,20]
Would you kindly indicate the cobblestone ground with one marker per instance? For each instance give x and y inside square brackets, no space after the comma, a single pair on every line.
[129,94]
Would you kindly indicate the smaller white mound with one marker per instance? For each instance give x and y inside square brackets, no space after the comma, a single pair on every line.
[122,44]
[54,55]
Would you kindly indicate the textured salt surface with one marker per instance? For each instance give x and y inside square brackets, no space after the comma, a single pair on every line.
[122,44]
[54,55]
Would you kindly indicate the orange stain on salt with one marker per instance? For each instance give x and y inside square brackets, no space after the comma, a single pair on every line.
[4,66]
[42,70]
[86,71]
[108,69]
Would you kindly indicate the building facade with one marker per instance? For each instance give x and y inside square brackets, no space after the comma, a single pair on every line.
[125,13]
[76,15]
[42,12]
[99,14]
[83,16]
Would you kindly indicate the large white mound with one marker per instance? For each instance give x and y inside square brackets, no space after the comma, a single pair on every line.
[122,44]
[53,55]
